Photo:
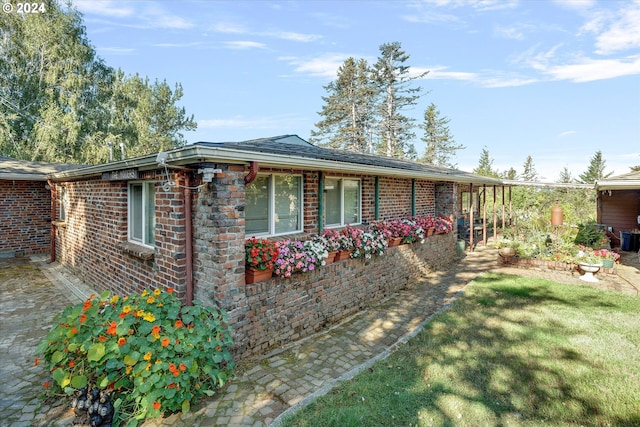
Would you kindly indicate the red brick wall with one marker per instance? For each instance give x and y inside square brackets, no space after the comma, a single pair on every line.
[281,310]
[25,217]
[91,241]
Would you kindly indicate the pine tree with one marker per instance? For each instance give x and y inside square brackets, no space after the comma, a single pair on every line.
[565,176]
[440,145]
[348,112]
[485,165]
[392,77]
[595,171]
[529,174]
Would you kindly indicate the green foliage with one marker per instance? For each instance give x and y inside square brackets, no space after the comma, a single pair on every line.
[591,234]
[485,165]
[440,145]
[348,113]
[156,355]
[595,171]
[60,102]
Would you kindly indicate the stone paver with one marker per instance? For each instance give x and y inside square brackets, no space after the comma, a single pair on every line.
[265,391]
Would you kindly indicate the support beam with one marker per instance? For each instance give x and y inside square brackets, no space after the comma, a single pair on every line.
[413,197]
[321,202]
[377,198]
[495,216]
[471,219]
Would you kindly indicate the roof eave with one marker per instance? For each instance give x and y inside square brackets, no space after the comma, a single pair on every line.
[618,185]
[197,154]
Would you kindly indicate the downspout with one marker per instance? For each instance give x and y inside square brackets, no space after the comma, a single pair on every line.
[377,201]
[188,237]
[413,197]
[52,188]
[253,172]
[320,202]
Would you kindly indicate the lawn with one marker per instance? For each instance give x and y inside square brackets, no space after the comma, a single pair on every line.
[511,351]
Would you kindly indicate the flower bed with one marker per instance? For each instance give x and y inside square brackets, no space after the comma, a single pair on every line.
[287,257]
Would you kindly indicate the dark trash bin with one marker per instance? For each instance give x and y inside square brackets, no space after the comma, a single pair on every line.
[625,245]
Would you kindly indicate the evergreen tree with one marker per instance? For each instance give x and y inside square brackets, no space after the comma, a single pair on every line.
[595,171]
[392,77]
[529,174]
[348,112]
[565,176]
[440,145]
[511,174]
[59,102]
[485,165]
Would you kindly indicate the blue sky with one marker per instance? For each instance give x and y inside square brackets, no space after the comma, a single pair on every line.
[557,80]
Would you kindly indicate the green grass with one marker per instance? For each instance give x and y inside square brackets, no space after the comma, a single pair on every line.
[511,351]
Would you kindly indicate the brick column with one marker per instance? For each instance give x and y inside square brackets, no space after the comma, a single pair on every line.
[218,243]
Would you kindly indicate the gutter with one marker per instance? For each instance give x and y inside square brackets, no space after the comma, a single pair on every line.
[197,154]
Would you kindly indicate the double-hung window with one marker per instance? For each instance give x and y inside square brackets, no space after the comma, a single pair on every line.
[142,223]
[273,205]
[342,202]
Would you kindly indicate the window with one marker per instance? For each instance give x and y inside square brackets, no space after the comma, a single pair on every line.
[142,222]
[274,205]
[341,201]
[62,205]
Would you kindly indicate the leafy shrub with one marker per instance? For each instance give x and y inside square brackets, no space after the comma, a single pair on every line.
[154,354]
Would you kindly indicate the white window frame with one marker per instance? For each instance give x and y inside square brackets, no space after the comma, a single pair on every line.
[62,204]
[271,221]
[341,184]
[146,187]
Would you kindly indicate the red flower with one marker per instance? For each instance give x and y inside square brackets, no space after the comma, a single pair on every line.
[122,342]
[46,384]
[87,305]
[183,367]
[179,323]
[156,405]
[72,364]
[83,318]
[74,330]
[172,385]
[112,328]
[102,338]
[170,290]
[165,342]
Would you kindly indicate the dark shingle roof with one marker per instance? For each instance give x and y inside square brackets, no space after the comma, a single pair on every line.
[23,169]
[294,145]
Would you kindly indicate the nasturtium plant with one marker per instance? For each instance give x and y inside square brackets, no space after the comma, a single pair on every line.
[153,353]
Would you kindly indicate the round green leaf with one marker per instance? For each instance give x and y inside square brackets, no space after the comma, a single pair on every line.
[96,352]
[79,381]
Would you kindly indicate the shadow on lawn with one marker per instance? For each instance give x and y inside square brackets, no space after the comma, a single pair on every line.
[481,362]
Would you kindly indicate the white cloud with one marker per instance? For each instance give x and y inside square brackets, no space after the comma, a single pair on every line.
[587,69]
[104,8]
[566,133]
[241,122]
[623,34]
[244,44]
[117,50]
[233,28]
[322,66]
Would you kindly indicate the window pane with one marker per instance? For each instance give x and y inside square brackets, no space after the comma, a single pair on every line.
[331,202]
[257,206]
[62,214]
[287,204]
[135,212]
[150,215]
[351,201]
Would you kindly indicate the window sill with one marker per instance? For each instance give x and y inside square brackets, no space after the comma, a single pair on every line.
[137,251]
[62,224]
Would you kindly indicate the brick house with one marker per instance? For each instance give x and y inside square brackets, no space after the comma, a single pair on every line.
[25,206]
[180,219]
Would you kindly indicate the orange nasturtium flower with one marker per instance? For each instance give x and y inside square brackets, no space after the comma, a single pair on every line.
[170,290]
[87,305]
[122,341]
[179,323]
[183,367]
[155,331]
[72,363]
[102,338]
[46,384]
[165,342]
[156,405]
[74,330]
[112,328]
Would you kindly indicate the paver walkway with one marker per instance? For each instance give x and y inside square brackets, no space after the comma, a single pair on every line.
[265,391]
